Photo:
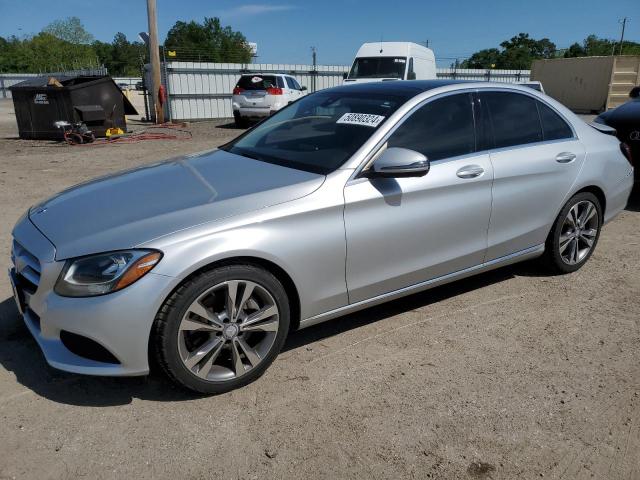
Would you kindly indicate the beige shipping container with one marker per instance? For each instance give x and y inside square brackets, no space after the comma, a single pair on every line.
[588,84]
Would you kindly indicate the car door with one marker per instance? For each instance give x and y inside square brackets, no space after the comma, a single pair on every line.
[292,91]
[403,231]
[536,158]
[299,89]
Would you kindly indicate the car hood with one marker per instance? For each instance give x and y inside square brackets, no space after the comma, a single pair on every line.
[124,210]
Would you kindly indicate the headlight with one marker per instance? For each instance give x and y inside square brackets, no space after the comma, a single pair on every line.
[105,272]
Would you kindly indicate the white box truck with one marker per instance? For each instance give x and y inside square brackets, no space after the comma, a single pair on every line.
[379,61]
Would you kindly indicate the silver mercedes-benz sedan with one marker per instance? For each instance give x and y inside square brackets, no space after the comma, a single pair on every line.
[346,198]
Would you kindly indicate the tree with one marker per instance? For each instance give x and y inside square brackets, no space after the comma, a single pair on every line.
[515,53]
[208,42]
[522,50]
[593,46]
[575,50]
[70,30]
[487,58]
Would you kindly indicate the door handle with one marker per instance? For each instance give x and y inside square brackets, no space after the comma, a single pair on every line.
[565,157]
[470,171]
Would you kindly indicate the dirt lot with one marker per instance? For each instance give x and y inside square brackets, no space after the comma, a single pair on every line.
[512,374]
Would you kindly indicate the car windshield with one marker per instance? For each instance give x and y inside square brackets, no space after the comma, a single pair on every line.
[378,67]
[319,132]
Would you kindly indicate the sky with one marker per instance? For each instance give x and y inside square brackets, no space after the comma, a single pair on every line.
[285,30]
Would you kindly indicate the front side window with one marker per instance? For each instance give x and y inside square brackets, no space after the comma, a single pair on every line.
[442,128]
[319,132]
[378,67]
[553,126]
[513,117]
[290,83]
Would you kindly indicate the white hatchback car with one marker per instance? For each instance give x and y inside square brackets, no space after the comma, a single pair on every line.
[256,95]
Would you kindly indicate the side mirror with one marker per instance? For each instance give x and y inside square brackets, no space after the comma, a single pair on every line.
[635,92]
[303,88]
[411,76]
[345,75]
[396,162]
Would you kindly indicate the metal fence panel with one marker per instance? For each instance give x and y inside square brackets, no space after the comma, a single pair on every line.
[199,90]
[504,76]
[9,79]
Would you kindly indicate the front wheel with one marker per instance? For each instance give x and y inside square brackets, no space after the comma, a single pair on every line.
[221,329]
[575,233]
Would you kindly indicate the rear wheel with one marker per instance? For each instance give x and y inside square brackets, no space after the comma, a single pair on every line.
[239,121]
[222,329]
[575,233]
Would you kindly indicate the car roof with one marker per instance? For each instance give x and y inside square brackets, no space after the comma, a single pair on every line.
[265,74]
[403,88]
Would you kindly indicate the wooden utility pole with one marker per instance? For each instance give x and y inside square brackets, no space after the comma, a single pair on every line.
[154,58]
[624,24]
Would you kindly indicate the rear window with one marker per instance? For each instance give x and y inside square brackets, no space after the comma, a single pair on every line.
[259,82]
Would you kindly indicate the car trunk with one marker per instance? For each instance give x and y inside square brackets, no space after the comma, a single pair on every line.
[253,90]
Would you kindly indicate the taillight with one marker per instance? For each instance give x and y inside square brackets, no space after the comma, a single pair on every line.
[238,90]
[274,91]
[626,151]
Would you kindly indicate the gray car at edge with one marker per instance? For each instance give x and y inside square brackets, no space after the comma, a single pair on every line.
[347,198]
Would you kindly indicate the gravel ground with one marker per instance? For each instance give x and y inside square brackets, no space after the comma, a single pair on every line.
[511,374]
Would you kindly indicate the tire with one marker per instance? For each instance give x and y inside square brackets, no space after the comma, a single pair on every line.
[74,139]
[560,254]
[198,317]
[239,121]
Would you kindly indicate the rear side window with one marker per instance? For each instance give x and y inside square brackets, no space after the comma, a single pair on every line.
[440,129]
[259,82]
[513,117]
[296,84]
[553,126]
[290,83]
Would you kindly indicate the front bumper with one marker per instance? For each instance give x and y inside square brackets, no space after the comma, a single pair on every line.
[119,322]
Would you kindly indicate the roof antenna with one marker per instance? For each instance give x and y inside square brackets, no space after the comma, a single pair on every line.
[380,43]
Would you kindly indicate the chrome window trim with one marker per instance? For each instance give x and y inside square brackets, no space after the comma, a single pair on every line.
[376,149]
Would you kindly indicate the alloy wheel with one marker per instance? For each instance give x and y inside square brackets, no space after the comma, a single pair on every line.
[228,330]
[579,232]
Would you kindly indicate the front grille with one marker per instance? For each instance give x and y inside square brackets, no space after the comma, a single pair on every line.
[27,267]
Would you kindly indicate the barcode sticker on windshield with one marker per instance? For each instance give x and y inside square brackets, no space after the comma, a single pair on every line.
[366,119]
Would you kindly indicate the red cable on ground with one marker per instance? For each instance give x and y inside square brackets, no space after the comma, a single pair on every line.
[178,133]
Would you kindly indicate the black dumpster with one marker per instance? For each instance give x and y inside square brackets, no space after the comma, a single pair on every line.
[94,100]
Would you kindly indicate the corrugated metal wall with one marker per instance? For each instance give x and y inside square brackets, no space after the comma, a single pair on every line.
[9,79]
[203,90]
[199,91]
